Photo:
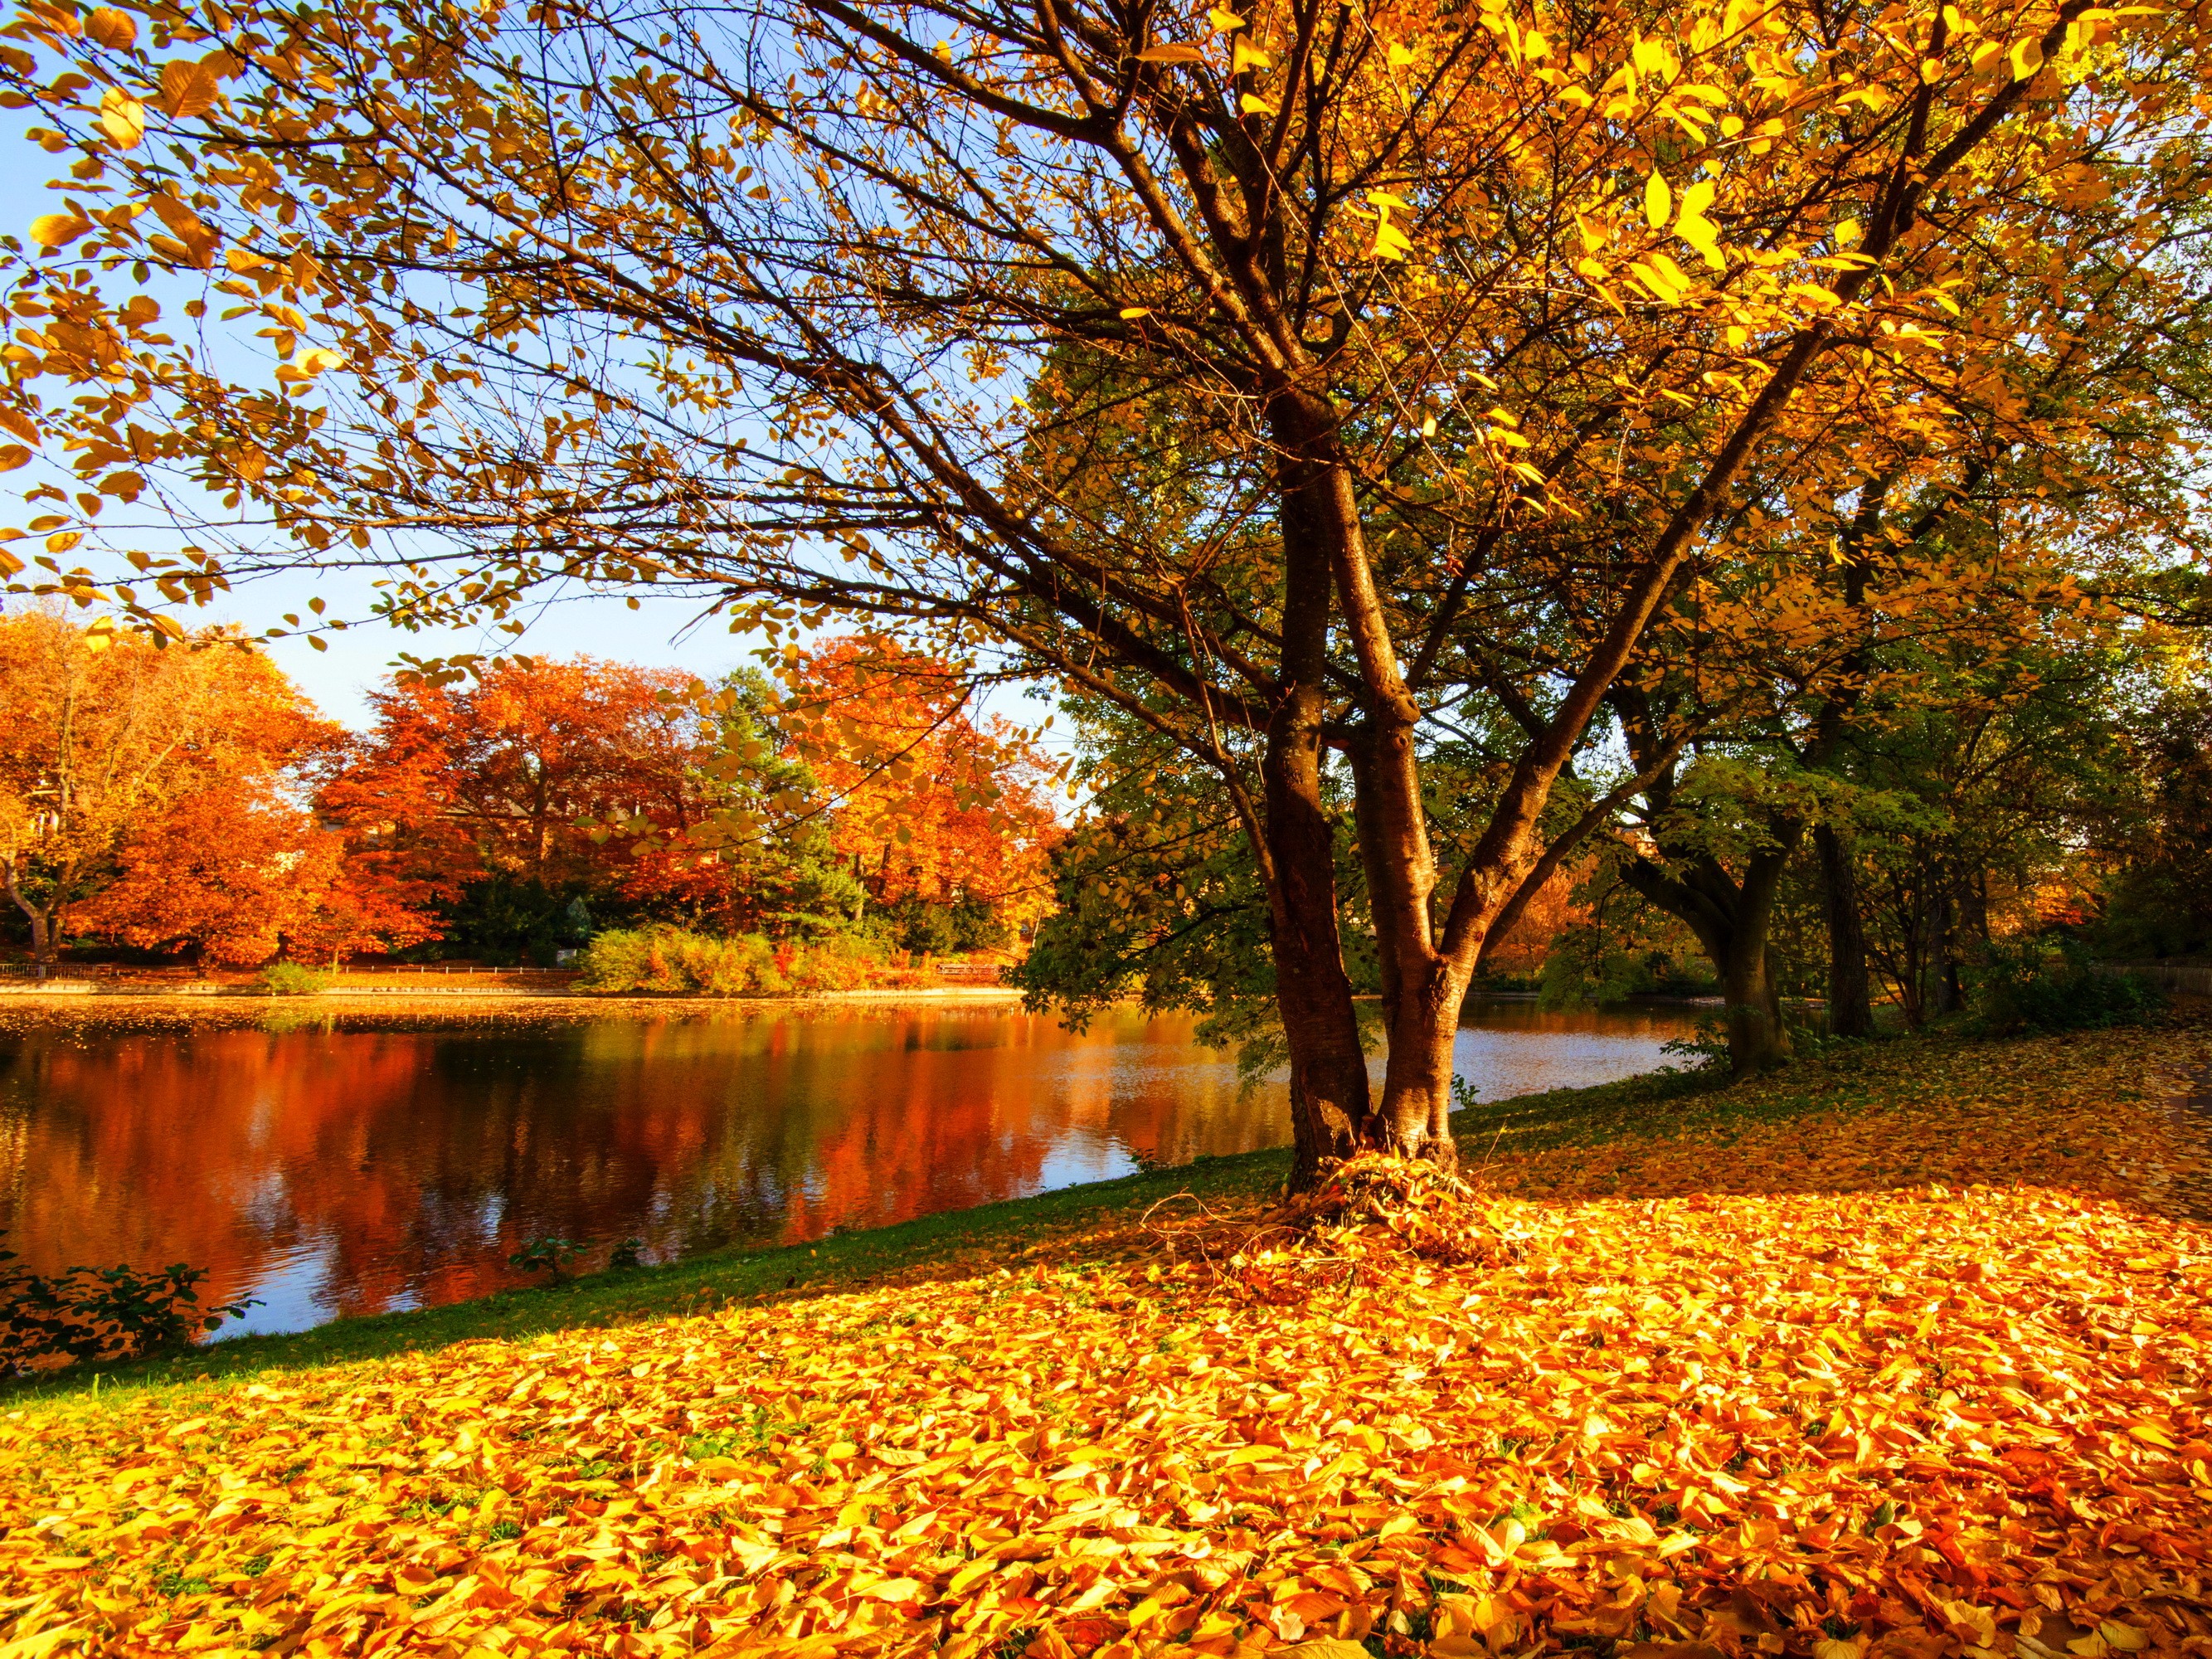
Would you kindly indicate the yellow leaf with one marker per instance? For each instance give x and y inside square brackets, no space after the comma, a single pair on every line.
[58,229]
[2151,1434]
[13,456]
[116,30]
[1224,21]
[2126,1637]
[1397,54]
[1171,55]
[1130,313]
[1248,57]
[188,89]
[1252,104]
[2026,58]
[1658,202]
[314,360]
[122,117]
[1390,242]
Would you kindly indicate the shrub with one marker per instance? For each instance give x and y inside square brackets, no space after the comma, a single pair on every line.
[665,958]
[104,1314]
[291,979]
[2028,987]
[555,1256]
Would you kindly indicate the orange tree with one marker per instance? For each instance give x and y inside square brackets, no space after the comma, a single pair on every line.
[1460,328]
[923,801]
[151,793]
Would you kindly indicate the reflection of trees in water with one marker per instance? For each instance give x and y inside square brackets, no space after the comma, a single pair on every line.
[408,1163]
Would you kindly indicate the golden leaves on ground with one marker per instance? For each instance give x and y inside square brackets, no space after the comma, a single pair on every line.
[1792,1388]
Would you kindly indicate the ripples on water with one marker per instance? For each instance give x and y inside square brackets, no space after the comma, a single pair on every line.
[332,1171]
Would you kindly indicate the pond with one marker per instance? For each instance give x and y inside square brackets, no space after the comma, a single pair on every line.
[333,1165]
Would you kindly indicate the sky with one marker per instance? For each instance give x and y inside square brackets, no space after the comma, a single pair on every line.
[658,633]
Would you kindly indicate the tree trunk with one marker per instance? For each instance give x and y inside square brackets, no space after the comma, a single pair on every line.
[1421,990]
[1731,915]
[1850,1005]
[1945,992]
[1329,1099]
[46,923]
[1757,1038]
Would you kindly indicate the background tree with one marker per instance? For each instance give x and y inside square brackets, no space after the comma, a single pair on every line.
[124,766]
[744,298]
[926,806]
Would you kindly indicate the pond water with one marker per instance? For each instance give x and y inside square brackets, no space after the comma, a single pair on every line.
[351,1166]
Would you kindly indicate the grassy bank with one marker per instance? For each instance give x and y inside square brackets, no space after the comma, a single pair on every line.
[1924,1093]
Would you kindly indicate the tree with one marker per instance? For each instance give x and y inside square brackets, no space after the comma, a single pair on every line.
[759,299]
[759,858]
[924,803]
[123,764]
[2156,843]
[502,768]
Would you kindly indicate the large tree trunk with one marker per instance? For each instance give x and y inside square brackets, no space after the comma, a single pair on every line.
[1313,995]
[46,924]
[1329,1099]
[1422,990]
[1850,1004]
[1731,916]
[1946,995]
[1758,1039]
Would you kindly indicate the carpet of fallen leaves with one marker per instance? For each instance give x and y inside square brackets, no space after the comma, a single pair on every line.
[1919,1371]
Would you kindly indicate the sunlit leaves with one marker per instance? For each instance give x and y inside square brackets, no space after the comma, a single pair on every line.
[1908,1362]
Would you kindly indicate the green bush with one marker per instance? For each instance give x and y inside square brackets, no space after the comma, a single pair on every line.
[101,1315]
[290,979]
[2029,986]
[666,958]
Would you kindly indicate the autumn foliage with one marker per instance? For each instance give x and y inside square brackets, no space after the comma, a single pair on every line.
[188,798]
[1906,1364]
[162,796]
[924,801]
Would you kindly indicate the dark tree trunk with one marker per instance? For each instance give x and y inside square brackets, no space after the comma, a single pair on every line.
[1947,995]
[1329,1099]
[45,926]
[1731,916]
[1313,995]
[1851,1003]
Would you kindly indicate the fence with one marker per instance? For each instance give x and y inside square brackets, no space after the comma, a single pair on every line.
[2190,979]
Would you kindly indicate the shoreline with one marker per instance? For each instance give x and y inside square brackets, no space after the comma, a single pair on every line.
[229,1002]
[2165,1069]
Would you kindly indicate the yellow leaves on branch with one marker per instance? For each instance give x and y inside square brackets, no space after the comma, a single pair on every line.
[122,117]
[189,240]
[188,88]
[58,229]
[1248,54]
[1390,242]
[309,364]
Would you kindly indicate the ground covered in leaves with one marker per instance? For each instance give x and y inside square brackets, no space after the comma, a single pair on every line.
[1903,1355]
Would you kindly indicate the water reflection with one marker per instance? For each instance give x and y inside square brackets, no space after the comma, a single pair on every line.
[344,1171]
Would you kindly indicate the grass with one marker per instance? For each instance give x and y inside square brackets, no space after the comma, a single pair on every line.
[1666,1104]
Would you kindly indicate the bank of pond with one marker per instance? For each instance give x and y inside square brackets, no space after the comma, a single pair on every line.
[336,1165]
